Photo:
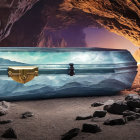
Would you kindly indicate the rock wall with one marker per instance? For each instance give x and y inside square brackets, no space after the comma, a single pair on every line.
[46,25]
[10,12]
[118,16]
[48,21]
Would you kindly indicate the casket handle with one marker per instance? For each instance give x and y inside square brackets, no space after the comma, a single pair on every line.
[71,69]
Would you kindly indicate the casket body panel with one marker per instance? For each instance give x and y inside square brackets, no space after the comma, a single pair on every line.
[96,72]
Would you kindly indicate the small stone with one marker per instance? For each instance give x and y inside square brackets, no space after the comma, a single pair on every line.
[137,110]
[5,104]
[116,108]
[128,113]
[130,118]
[10,133]
[83,117]
[3,112]
[137,115]
[96,104]
[107,107]
[119,121]
[27,115]
[5,121]
[132,96]
[70,134]
[134,103]
[99,113]
[91,128]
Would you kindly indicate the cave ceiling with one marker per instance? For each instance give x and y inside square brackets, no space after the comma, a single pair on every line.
[28,22]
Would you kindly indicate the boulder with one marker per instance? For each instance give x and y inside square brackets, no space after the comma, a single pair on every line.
[133,103]
[70,134]
[3,111]
[117,107]
[91,128]
[119,121]
[5,104]
[132,96]
[99,113]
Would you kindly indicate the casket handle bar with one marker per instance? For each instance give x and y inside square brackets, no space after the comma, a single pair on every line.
[71,69]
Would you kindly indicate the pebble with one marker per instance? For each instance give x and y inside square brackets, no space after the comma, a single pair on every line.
[70,134]
[10,133]
[99,113]
[91,128]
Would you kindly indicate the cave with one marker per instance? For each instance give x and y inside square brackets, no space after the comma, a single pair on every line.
[66,38]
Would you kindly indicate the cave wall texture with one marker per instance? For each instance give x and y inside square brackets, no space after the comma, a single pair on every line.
[52,23]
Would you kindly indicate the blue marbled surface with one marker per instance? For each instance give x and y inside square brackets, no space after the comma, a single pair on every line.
[63,85]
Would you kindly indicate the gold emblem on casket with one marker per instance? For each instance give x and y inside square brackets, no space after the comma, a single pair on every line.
[22,74]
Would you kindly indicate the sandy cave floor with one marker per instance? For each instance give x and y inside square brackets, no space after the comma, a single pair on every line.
[54,117]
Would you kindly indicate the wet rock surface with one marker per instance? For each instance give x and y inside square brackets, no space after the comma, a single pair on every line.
[133,101]
[91,128]
[10,133]
[99,113]
[70,134]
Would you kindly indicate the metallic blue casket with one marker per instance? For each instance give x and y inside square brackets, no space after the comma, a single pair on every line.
[36,73]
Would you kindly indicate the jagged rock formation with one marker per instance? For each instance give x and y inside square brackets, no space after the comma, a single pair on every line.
[47,22]
[119,16]
[45,25]
[10,12]
[25,32]
[72,36]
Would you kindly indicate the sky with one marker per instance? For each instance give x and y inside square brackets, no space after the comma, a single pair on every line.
[96,37]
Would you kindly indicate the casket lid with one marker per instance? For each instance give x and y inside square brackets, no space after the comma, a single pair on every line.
[58,60]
